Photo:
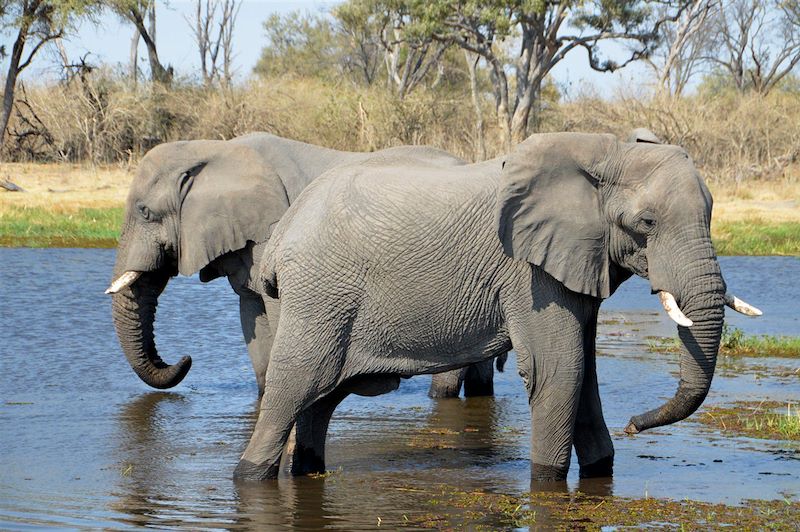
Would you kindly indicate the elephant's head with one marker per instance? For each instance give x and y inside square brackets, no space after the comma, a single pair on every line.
[591,211]
[190,203]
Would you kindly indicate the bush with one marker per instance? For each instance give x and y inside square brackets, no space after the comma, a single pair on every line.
[99,118]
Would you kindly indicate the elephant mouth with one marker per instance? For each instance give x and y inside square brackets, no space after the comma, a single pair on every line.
[123,281]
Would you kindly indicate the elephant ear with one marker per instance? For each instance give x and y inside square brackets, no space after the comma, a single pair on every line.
[549,211]
[234,197]
[642,134]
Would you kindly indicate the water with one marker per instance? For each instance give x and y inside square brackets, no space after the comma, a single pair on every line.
[83,443]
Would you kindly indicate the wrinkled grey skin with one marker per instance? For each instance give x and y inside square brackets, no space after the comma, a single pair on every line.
[445,267]
[211,206]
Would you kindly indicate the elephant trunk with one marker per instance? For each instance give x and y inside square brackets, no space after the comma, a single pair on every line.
[702,303]
[133,311]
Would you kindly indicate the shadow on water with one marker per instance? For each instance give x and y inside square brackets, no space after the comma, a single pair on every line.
[84,444]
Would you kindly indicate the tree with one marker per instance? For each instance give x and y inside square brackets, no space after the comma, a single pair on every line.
[136,12]
[760,42]
[361,38]
[213,32]
[300,43]
[544,32]
[36,23]
[684,44]
[409,56]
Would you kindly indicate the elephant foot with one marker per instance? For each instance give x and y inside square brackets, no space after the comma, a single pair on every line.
[444,392]
[601,468]
[248,471]
[306,462]
[483,389]
[548,473]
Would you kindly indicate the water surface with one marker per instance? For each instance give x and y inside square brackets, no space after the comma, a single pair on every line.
[83,443]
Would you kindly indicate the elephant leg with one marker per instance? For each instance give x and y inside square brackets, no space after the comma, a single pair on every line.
[258,334]
[479,379]
[593,444]
[297,377]
[447,384]
[283,400]
[311,430]
[548,339]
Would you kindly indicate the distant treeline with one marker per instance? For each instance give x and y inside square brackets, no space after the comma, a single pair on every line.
[469,77]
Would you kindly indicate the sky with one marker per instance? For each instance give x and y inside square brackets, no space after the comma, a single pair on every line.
[108,41]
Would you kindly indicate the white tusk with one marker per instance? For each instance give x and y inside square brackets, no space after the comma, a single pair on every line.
[671,306]
[123,281]
[741,306]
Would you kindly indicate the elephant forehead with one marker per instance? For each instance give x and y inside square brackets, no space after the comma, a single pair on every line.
[173,158]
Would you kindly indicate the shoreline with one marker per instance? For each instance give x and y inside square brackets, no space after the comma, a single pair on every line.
[71,205]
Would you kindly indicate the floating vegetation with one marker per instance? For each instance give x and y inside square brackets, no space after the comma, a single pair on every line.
[480,510]
[766,419]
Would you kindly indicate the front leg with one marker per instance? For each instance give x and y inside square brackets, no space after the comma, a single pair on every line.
[547,330]
[593,443]
[258,334]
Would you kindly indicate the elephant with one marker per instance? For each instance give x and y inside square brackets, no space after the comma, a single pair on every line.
[389,271]
[209,206]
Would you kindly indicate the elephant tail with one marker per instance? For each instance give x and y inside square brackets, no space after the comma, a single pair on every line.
[500,361]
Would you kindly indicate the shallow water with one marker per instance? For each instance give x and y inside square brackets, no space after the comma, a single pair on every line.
[83,443]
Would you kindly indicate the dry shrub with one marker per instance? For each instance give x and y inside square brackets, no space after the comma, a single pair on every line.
[731,137]
[100,119]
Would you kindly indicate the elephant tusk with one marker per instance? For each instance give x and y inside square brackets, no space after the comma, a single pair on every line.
[671,306]
[123,281]
[741,306]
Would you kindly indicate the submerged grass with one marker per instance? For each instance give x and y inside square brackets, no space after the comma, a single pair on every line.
[738,344]
[479,510]
[24,226]
[766,419]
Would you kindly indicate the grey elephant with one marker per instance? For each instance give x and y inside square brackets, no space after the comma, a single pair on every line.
[388,271]
[209,206]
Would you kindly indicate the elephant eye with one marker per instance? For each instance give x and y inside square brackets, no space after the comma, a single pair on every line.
[144,211]
[647,222]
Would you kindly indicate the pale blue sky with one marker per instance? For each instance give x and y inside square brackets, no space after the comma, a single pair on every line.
[109,42]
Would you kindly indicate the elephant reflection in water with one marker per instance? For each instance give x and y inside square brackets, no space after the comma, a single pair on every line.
[146,489]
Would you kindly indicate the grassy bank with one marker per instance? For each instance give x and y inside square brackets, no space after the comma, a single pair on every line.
[757,237]
[81,206]
[40,227]
[67,225]
[736,343]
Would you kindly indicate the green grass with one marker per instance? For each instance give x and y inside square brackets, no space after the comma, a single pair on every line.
[766,419]
[736,343]
[44,227]
[786,424]
[99,227]
[756,238]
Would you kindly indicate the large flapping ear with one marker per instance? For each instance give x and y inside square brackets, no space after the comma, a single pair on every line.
[233,197]
[549,210]
[642,134]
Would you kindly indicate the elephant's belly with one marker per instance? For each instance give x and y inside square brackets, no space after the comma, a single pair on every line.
[416,356]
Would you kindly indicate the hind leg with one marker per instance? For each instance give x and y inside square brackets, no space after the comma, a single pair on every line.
[311,431]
